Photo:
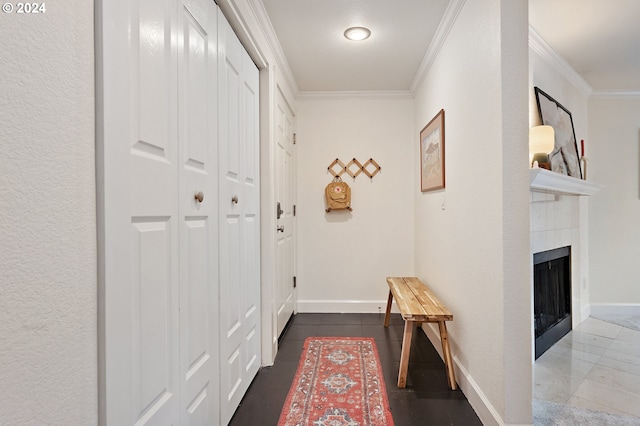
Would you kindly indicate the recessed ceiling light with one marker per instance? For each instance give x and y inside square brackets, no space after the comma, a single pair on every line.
[357,33]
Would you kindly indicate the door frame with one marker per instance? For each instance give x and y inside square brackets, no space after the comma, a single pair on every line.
[271,79]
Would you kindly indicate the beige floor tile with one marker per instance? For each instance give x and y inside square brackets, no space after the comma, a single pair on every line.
[615,378]
[628,367]
[625,347]
[596,366]
[609,396]
[565,365]
[629,358]
[629,335]
[576,401]
[599,328]
[582,337]
[569,351]
[551,385]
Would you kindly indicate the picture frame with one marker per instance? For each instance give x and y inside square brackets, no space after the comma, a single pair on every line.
[564,158]
[432,154]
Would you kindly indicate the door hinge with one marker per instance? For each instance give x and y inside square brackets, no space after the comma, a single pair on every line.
[294,209]
[294,282]
[294,139]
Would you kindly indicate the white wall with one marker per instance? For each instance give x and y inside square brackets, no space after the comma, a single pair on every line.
[472,242]
[48,349]
[614,213]
[344,257]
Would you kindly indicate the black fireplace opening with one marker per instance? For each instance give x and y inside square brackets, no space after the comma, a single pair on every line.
[551,297]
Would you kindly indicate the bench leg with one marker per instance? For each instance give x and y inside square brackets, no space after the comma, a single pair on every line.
[444,338]
[388,312]
[404,356]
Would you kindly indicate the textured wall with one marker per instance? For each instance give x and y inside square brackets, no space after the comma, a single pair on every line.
[48,359]
[472,242]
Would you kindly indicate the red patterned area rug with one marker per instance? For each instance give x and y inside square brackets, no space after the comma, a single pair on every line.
[339,382]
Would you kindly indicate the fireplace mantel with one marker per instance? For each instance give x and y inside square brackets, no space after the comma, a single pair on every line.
[542,180]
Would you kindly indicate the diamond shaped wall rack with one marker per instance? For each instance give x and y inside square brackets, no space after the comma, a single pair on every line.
[354,168]
[332,168]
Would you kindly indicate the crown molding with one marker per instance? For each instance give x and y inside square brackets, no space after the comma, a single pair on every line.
[542,48]
[260,13]
[446,23]
[369,94]
[616,94]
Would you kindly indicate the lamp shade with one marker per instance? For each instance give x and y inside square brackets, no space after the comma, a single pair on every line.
[541,139]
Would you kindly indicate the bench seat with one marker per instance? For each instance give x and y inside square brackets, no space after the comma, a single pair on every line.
[418,305]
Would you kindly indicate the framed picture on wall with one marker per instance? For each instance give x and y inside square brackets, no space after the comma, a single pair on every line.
[432,154]
[564,158]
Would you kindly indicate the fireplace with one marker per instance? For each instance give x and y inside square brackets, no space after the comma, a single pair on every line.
[551,297]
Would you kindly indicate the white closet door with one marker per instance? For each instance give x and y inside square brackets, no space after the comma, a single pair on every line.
[239,220]
[198,203]
[284,195]
[160,245]
[140,225]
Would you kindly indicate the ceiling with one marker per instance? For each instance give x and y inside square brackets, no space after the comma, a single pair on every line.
[599,41]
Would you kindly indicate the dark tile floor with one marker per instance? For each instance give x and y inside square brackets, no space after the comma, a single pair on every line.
[427,400]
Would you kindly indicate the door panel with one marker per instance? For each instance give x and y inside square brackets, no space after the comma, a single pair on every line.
[249,124]
[151,298]
[160,254]
[139,274]
[284,194]
[239,220]
[198,176]
[154,245]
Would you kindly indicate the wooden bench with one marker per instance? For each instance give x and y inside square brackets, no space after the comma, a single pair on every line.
[417,304]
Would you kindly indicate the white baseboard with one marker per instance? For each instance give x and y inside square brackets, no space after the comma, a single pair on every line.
[344,306]
[631,309]
[483,408]
[585,312]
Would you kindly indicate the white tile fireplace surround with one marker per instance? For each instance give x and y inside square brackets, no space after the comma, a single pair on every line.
[558,212]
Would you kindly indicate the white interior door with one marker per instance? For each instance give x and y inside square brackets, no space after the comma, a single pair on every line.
[239,219]
[159,258]
[285,219]
[140,224]
[198,202]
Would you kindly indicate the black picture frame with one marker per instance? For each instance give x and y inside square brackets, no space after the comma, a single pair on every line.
[564,158]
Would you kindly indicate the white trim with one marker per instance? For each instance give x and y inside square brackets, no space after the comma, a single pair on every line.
[585,312]
[632,309]
[243,31]
[344,306]
[542,48]
[446,24]
[261,15]
[616,94]
[478,400]
[543,180]
[372,94]
[267,217]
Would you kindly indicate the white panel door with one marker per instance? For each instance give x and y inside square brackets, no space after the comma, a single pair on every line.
[239,220]
[159,207]
[140,223]
[198,203]
[285,219]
